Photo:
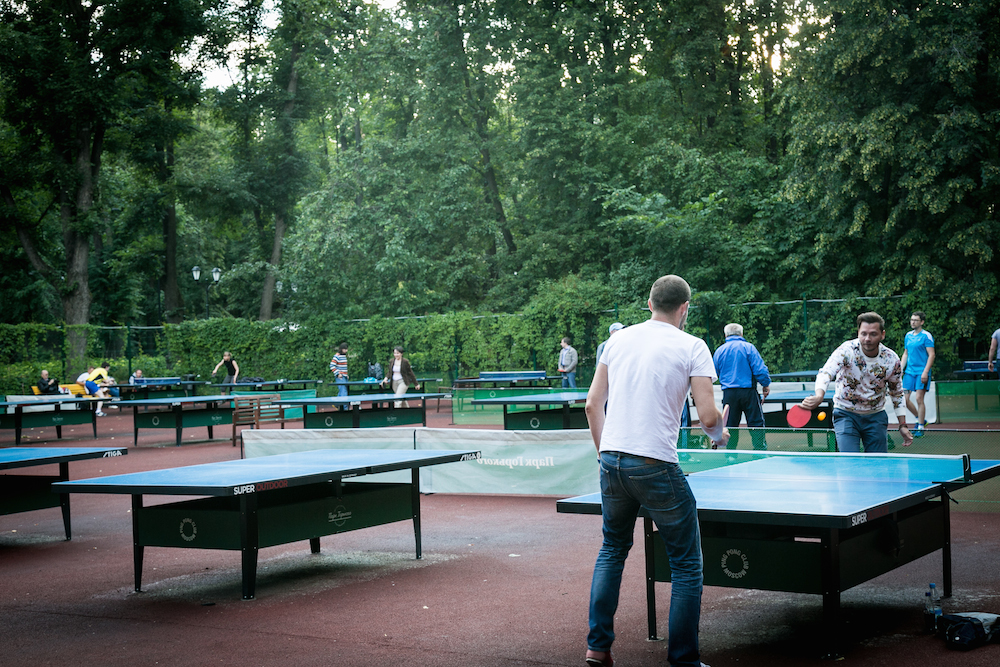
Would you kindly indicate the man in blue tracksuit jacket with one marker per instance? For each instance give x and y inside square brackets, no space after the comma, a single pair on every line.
[740,367]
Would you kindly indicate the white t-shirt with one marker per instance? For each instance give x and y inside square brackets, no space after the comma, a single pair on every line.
[650,366]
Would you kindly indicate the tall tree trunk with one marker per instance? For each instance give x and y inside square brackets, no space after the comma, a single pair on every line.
[287,130]
[172,300]
[267,297]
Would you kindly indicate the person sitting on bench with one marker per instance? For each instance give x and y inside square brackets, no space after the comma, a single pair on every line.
[46,385]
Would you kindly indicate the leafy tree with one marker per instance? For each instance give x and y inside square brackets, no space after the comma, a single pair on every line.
[895,143]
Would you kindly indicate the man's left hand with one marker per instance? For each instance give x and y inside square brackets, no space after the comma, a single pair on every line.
[907,436]
[923,377]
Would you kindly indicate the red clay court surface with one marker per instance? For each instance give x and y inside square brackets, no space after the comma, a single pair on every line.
[504,581]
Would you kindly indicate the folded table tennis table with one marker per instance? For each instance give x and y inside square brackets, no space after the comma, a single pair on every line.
[817,523]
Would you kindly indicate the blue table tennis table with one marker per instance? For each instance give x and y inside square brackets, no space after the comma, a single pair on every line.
[23,418]
[568,414]
[172,387]
[261,502]
[25,493]
[508,379]
[207,411]
[380,410]
[816,523]
[270,385]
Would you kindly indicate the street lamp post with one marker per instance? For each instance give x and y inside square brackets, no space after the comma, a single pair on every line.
[216,274]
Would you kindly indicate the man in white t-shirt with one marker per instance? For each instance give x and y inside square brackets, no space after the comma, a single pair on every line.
[643,376]
[994,340]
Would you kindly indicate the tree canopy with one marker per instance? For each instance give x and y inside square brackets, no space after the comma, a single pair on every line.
[440,156]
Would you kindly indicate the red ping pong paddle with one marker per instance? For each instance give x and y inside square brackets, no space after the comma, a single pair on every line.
[798,416]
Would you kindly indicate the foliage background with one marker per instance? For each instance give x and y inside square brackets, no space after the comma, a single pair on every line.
[499,174]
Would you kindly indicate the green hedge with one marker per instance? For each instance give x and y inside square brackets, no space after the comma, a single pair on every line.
[790,337]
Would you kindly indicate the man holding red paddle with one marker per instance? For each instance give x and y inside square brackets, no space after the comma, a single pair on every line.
[866,372]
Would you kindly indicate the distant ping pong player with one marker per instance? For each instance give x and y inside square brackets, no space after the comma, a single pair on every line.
[865,371]
[644,376]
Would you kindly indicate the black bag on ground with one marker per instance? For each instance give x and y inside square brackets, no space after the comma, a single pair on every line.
[963,632]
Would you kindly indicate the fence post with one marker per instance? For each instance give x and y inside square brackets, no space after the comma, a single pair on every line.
[805,315]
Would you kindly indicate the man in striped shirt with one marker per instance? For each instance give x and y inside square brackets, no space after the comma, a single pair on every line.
[338,366]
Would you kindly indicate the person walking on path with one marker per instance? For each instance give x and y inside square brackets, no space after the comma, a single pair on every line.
[866,373]
[643,378]
[741,368]
[918,357]
[567,364]
[400,375]
[338,366]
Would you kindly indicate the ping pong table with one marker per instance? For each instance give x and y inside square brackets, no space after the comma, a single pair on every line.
[975,370]
[794,374]
[816,523]
[270,500]
[215,411]
[24,493]
[508,379]
[21,419]
[271,385]
[566,416]
[172,387]
[381,410]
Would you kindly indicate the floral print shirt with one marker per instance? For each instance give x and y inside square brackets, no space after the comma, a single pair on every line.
[862,381]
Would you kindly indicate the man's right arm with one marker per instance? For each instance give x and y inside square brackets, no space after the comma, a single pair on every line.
[712,422]
[993,353]
[597,398]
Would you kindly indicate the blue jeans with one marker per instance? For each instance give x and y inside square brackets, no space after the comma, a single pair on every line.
[341,389]
[852,429]
[744,401]
[628,483]
[569,380]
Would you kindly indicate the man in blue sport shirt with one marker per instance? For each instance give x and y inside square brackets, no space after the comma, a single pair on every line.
[740,367]
[917,359]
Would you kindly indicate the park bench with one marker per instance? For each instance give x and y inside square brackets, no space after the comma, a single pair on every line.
[255,410]
[74,389]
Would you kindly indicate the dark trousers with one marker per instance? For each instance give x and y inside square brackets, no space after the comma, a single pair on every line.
[744,401]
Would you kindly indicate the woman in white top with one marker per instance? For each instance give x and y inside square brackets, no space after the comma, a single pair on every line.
[400,374]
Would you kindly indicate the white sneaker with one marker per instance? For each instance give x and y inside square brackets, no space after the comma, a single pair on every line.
[102,414]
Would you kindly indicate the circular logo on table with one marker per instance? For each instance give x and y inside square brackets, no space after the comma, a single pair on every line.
[339,516]
[493,394]
[328,421]
[189,530]
[156,421]
[735,563]
[534,423]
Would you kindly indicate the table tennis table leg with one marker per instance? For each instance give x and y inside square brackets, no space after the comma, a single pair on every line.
[314,545]
[249,543]
[18,420]
[946,549]
[830,573]
[415,505]
[58,426]
[648,536]
[137,549]
[64,500]
[93,418]
[179,421]
[135,425]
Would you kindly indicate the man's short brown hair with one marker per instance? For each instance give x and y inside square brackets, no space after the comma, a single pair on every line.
[871,317]
[669,293]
